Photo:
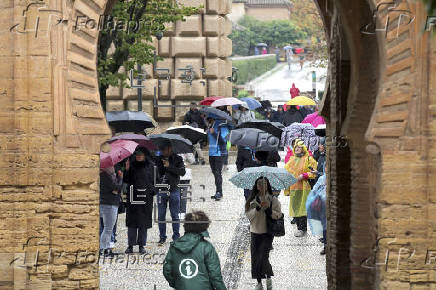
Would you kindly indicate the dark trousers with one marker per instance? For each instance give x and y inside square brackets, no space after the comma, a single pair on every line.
[183,196]
[216,164]
[301,222]
[174,200]
[137,236]
[324,237]
[247,194]
[261,245]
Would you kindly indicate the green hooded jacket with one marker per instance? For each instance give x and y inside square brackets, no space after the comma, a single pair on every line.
[193,264]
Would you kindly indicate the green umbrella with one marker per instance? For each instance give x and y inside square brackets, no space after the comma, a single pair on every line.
[279,178]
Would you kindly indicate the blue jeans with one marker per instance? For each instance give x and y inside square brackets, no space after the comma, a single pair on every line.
[114,232]
[174,201]
[109,214]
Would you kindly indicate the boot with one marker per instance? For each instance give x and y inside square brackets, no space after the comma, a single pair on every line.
[141,250]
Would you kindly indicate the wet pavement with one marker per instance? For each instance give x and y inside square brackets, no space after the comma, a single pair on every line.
[296,262]
[275,87]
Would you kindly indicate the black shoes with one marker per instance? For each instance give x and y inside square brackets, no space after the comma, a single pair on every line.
[141,250]
[293,221]
[161,242]
[218,196]
[108,253]
[129,250]
[322,252]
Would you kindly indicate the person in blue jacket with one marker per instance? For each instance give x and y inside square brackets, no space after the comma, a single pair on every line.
[217,136]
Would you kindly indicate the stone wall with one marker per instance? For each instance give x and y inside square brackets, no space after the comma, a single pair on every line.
[269,14]
[201,41]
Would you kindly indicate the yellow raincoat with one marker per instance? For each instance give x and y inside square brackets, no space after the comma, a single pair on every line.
[299,191]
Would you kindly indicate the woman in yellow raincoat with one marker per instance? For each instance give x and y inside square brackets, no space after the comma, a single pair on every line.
[302,166]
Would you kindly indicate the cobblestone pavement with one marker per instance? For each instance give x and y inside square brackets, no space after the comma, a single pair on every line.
[296,261]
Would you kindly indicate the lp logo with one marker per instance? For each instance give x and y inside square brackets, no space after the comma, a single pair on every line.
[406,18]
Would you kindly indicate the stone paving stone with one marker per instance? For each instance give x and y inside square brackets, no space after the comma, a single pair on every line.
[296,261]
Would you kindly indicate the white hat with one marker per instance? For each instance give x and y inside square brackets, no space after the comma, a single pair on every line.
[245,105]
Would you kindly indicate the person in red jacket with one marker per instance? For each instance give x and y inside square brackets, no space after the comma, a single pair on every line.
[294,91]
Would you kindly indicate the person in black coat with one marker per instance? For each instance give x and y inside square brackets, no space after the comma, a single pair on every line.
[319,156]
[244,159]
[276,116]
[292,115]
[110,187]
[171,168]
[139,177]
[194,118]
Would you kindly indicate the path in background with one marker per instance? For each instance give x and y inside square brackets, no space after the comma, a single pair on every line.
[296,261]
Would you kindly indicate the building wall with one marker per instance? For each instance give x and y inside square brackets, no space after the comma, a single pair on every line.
[269,14]
[201,41]
[238,11]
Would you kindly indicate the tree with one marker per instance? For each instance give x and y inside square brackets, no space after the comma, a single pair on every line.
[126,37]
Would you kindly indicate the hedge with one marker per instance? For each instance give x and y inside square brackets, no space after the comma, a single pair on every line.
[251,68]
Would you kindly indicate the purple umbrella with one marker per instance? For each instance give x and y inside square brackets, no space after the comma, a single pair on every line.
[143,141]
[120,150]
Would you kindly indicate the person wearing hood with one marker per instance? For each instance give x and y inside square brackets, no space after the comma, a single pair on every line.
[292,115]
[193,117]
[243,114]
[139,177]
[302,166]
[294,91]
[319,156]
[192,262]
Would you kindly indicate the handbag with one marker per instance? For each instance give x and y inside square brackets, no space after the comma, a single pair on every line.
[275,228]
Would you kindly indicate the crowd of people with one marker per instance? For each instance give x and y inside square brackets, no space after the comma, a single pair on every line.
[136,177]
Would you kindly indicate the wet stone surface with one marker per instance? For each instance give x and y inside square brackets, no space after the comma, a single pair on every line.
[296,262]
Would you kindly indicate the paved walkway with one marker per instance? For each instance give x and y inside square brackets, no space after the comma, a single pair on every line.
[296,261]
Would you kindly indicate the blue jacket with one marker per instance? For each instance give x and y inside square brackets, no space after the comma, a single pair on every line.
[218,140]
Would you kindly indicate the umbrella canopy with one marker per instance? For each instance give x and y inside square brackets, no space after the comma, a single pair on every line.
[215,114]
[143,141]
[279,178]
[252,103]
[301,101]
[192,134]
[262,44]
[320,130]
[127,121]
[180,145]
[209,100]
[314,119]
[263,125]
[254,138]
[287,47]
[278,125]
[226,102]
[120,150]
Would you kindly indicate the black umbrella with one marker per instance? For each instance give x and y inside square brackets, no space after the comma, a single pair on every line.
[192,134]
[180,145]
[320,130]
[255,139]
[127,121]
[263,125]
[278,125]
[216,114]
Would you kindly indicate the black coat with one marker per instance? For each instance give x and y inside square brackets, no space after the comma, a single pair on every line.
[271,160]
[244,159]
[194,117]
[276,116]
[292,116]
[107,187]
[140,180]
[171,173]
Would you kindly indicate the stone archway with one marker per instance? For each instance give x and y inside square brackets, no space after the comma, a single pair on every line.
[51,127]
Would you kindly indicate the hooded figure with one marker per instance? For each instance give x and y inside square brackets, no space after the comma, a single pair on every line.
[294,91]
[292,115]
[243,114]
[301,165]
[192,262]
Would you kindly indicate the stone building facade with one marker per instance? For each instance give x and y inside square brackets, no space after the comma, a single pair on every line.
[201,42]
[263,10]
[381,98]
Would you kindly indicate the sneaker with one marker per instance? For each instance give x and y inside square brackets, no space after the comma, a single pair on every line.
[161,242]
[322,252]
[182,216]
[111,245]
[300,234]
[218,196]
[141,250]
[129,250]
[259,286]
[269,284]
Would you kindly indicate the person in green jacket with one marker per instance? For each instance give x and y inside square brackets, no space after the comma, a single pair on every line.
[192,262]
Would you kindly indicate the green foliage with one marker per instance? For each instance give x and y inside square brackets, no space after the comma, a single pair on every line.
[251,31]
[133,46]
[259,116]
[243,94]
[250,69]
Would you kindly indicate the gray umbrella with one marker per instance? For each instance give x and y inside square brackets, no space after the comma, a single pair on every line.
[254,138]
[127,121]
[216,114]
[180,145]
[264,125]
